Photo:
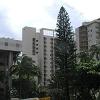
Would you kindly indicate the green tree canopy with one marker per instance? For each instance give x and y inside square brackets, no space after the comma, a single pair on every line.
[65,57]
[24,76]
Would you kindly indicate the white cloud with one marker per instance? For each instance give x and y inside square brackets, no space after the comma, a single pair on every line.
[22,13]
[41,13]
[88,8]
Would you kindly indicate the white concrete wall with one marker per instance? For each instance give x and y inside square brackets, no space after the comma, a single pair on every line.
[91,34]
[77,40]
[48,60]
[28,34]
[48,52]
[93,37]
[13,45]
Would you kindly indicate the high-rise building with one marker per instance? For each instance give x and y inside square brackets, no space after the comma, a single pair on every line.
[40,47]
[87,35]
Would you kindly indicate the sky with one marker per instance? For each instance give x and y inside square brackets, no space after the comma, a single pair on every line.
[16,14]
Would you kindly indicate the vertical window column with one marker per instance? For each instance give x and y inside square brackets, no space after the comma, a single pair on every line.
[36,46]
[33,46]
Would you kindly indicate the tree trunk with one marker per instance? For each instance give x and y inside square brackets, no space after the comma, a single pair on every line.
[67,94]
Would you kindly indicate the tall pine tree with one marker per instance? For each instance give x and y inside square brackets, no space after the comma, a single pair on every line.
[64,52]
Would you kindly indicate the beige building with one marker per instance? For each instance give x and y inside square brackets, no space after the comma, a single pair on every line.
[40,47]
[87,35]
[9,48]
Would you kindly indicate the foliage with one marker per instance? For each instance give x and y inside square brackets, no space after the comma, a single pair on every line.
[24,88]
[95,51]
[87,81]
[65,57]
[25,68]
[24,74]
[76,80]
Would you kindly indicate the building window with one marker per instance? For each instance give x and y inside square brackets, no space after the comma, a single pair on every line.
[45,66]
[44,46]
[51,62]
[51,39]
[17,45]
[33,52]
[6,43]
[51,50]
[45,58]
[33,46]
[44,79]
[51,42]
[45,38]
[36,48]
[45,71]
[36,44]
[36,52]
[44,53]
[44,50]
[36,40]
[51,54]
[33,61]
[44,62]
[52,46]
[44,42]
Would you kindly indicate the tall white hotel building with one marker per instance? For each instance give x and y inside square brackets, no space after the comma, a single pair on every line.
[40,47]
[87,35]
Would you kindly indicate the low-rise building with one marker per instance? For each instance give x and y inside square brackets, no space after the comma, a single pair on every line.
[9,48]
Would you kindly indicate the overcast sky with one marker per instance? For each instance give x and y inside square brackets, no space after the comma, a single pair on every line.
[15,14]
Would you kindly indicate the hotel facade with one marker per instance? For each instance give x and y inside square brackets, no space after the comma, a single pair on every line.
[87,35]
[40,47]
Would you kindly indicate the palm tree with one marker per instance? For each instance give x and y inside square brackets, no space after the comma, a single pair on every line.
[25,71]
[25,68]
